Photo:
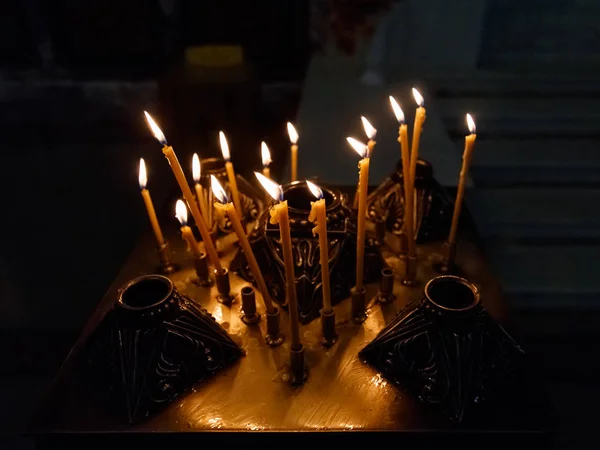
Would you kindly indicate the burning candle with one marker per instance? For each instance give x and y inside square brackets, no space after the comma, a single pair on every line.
[370,131]
[363,184]
[230,173]
[408,197]
[293,134]
[186,231]
[414,152]
[266,159]
[469,143]
[319,217]
[196,172]
[143,180]
[279,215]
[231,212]
[187,193]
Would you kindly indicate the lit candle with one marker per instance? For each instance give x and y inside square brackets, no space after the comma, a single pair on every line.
[196,172]
[186,231]
[408,197]
[231,212]
[319,217]
[143,180]
[279,215]
[293,134]
[363,184]
[187,193]
[266,159]
[414,152]
[469,143]
[370,131]
[230,172]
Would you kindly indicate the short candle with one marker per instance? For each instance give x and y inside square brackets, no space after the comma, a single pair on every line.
[186,231]
[143,181]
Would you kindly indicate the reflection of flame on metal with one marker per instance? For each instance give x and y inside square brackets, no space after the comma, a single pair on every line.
[378,381]
[215,422]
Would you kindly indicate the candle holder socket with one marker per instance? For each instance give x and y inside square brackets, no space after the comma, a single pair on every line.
[223,287]
[328,328]
[358,304]
[386,290]
[410,274]
[164,255]
[249,316]
[274,337]
[403,251]
[380,232]
[201,266]
[448,263]
[298,370]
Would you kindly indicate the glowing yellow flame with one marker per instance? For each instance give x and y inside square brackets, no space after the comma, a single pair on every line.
[158,134]
[273,189]
[397,110]
[224,146]
[370,130]
[181,212]
[471,124]
[316,190]
[418,97]
[292,133]
[358,146]
[196,170]
[265,153]
[143,176]
[218,190]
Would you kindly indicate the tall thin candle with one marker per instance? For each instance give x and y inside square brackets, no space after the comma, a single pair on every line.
[229,209]
[468,152]
[196,175]
[187,193]
[293,134]
[230,173]
[143,180]
[363,185]
[279,215]
[318,215]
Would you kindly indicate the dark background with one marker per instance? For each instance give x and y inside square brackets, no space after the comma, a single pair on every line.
[76,75]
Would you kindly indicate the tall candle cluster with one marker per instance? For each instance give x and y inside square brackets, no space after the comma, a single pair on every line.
[201,211]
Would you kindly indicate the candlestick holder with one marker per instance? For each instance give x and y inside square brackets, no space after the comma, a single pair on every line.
[328,328]
[447,348]
[341,236]
[252,200]
[164,256]
[151,346]
[223,287]
[274,336]
[202,272]
[298,370]
[386,290]
[433,206]
[358,297]
[250,315]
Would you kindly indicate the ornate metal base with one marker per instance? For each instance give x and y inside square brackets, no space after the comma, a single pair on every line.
[152,345]
[341,234]
[447,348]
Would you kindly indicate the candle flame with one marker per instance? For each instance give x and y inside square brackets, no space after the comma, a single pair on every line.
[315,190]
[158,134]
[218,190]
[265,153]
[471,124]
[273,189]
[397,110]
[181,212]
[196,169]
[293,134]
[224,146]
[143,176]
[418,97]
[370,130]
[358,146]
